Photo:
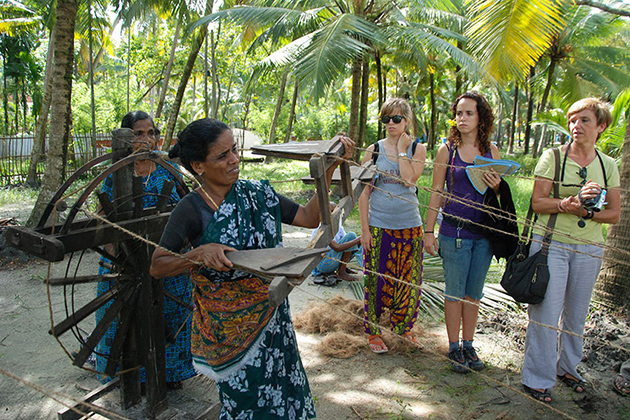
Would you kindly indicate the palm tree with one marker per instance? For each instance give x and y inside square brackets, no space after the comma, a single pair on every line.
[61,89]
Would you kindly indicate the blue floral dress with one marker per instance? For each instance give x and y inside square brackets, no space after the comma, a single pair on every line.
[178,356]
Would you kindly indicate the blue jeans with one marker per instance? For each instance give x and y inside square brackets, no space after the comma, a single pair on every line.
[465,268]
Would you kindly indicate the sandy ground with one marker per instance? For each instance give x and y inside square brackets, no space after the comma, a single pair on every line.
[37,377]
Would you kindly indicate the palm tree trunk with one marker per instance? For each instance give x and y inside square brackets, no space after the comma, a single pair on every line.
[514,117]
[167,72]
[292,111]
[353,124]
[613,286]
[190,64]
[365,84]
[216,87]
[276,114]
[432,133]
[381,93]
[42,120]
[91,76]
[206,70]
[530,110]
[63,59]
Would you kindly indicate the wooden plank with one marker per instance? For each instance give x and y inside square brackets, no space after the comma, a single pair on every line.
[318,172]
[279,289]
[253,261]
[211,413]
[65,281]
[69,414]
[296,151]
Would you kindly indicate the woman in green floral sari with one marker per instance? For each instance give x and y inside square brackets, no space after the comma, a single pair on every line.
[238,339]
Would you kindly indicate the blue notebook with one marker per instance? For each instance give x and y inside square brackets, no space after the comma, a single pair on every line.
[482,164]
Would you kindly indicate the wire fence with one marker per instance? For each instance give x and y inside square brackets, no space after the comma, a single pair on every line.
[16,152]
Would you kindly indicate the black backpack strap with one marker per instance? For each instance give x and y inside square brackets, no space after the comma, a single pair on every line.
[375,152]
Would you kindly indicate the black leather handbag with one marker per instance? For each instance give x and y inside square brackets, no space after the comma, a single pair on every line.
[526,276]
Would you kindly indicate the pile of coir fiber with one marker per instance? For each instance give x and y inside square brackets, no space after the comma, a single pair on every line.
[340,320]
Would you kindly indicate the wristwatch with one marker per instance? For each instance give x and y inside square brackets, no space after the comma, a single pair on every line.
[589,215]
[402,154]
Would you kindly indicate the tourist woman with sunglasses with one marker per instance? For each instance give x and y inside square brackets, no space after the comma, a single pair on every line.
[466,253]
[575,254]
[391,227]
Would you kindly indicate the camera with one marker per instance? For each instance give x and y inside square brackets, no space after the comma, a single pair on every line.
[596,203]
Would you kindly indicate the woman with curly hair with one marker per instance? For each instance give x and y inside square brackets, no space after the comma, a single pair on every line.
[466,255]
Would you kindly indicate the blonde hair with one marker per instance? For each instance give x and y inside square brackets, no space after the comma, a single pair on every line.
[600,108]
[390,106]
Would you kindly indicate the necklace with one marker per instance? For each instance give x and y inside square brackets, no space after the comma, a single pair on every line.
[147,176]
[209,198]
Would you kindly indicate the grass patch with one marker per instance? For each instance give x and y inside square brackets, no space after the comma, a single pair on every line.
[19,194]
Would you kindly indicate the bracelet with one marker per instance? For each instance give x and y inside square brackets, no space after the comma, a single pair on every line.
[428,231]
[589,215]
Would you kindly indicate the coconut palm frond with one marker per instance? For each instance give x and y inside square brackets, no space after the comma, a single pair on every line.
[509,36]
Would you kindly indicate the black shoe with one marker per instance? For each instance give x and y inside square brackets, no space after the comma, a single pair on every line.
[460,364]
[472,359]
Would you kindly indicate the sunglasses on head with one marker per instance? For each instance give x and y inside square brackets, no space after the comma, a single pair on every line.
[395,118]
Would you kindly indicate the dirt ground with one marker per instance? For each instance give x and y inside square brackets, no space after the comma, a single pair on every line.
[37,377]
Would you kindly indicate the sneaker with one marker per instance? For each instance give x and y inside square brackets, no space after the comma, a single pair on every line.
[473,361]
[459,361]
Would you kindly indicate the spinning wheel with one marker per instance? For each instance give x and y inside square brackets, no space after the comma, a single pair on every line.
[134,300]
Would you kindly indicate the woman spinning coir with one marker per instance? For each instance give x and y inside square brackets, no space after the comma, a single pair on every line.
[247,346]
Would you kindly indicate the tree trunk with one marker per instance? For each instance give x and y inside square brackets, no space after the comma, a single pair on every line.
[63,58]
[91,76]
[292,111]
[458,73]
[499,130]
[530,110]
[216,87]
[353,124]
[276,114]
[432,130]
[190,64]
[381,93]
[613,286]
[206,70]
[42,120]
[128,65]
[363,107]
[514,118]
[167,72]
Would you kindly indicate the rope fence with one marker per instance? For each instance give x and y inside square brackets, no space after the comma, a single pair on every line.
[520,220]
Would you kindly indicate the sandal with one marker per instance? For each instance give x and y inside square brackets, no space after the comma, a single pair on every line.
[621,385]
[543,396]
[377,345]
[175,385]
[573,383]
[408,336]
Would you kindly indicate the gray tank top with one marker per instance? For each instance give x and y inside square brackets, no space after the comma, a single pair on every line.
[392,204]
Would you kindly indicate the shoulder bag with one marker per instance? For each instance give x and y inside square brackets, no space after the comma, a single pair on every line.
[526,276]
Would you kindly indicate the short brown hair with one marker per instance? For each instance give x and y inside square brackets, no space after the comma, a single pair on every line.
[600,108]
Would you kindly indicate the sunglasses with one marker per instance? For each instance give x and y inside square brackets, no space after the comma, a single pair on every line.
[395,118]
[582,173]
